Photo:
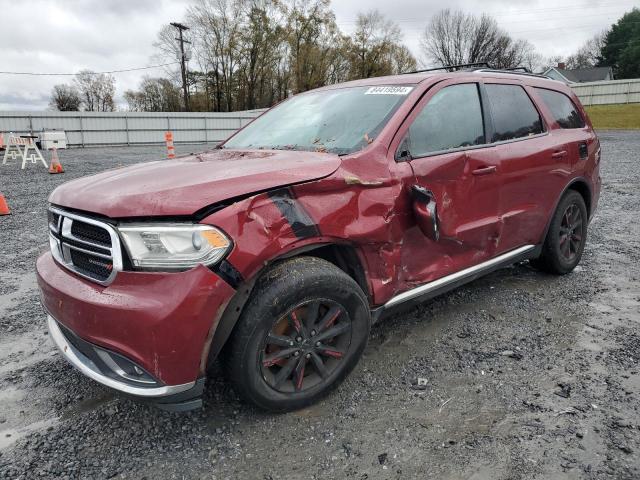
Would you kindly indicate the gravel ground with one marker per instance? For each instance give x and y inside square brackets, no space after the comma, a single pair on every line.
[523,375]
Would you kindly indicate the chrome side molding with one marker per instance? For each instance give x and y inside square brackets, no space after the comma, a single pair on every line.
[455,278]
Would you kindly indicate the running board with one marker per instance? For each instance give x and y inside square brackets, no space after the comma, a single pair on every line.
[445,284]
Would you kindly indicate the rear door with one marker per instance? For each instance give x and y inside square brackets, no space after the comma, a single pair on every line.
[534,162]
[581,141]
[444,141]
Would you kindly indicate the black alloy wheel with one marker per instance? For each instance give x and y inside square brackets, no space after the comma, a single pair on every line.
[302,331]
[306,345]
[565,240]
[570,232]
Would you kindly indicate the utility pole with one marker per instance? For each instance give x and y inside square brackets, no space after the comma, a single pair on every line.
[183,62]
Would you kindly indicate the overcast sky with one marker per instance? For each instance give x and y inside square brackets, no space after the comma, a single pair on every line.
[71,35]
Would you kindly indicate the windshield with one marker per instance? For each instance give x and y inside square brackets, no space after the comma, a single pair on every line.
[339,121]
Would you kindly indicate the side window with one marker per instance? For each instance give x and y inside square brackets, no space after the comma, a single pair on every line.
[514,115]
[451,119]
[562,108]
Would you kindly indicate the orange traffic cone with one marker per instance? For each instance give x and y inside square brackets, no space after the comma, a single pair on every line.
[55,166]
[4,208]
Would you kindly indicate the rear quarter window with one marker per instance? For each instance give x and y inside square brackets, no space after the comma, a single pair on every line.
[562,108]
[514,115]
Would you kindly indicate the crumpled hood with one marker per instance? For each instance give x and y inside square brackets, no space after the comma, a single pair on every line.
[185,185]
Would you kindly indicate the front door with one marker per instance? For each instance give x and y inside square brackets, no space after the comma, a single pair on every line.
[445,143]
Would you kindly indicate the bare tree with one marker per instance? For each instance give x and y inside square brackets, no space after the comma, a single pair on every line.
[168,50]
[65,98]
[312,36]
[96,90]
[402,60]
[155,95]
[376,47]
[253,53]
[260,32]
[589,54]
[216,30]
[454,37]
[533,61]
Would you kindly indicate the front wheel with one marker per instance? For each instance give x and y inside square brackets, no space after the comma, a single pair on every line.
[303,330]
[563,246]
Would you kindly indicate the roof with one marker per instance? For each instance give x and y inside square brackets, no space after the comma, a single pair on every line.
[402,79]
[580,75]
[418,77]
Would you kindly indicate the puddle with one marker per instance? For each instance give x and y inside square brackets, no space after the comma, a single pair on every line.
[9,436]
[19,417]
[23,411]
[593,340]
[22,350]
[24,284]
[88,405]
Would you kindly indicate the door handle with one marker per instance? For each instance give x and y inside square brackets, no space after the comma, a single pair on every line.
[484,170]
[560,154]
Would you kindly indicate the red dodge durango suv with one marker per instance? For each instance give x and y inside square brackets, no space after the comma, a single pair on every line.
[277,250]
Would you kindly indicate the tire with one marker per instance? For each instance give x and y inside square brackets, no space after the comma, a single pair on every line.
[302,297]
[567,235]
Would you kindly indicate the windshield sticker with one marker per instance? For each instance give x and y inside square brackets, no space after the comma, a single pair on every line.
[388,90]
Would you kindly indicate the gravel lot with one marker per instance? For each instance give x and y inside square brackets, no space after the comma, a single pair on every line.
[528,376]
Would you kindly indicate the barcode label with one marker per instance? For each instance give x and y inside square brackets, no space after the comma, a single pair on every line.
[388,90]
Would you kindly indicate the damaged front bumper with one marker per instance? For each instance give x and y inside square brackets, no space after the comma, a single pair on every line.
[119,373]
[146,334]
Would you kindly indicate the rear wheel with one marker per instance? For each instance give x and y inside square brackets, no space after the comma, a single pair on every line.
[563,247]
[302,331]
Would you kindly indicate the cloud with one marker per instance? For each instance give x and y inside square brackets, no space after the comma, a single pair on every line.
[74,35]
[71,35]
[554,28]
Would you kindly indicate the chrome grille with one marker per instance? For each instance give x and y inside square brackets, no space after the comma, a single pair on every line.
[91,233]
[86,246]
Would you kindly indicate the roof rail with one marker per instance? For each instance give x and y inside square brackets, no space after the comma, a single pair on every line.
[451,68]
[481,67]
[514,71]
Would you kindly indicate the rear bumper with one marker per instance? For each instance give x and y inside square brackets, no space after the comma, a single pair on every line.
[159,324]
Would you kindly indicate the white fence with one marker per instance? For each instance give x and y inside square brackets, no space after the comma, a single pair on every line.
[609,92]
[86,129]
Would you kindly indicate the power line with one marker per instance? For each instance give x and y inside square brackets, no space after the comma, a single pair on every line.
[38,74]
[562,30]
[413,34]
[503,13]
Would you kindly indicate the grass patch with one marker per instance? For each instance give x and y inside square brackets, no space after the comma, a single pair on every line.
[623,116]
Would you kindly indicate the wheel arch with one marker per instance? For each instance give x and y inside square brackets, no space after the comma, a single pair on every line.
[578,184]
[581,186]
[343,255]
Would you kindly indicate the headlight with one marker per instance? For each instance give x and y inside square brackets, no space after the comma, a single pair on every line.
[174,247]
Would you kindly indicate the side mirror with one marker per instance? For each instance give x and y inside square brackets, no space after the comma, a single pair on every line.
[425,212]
